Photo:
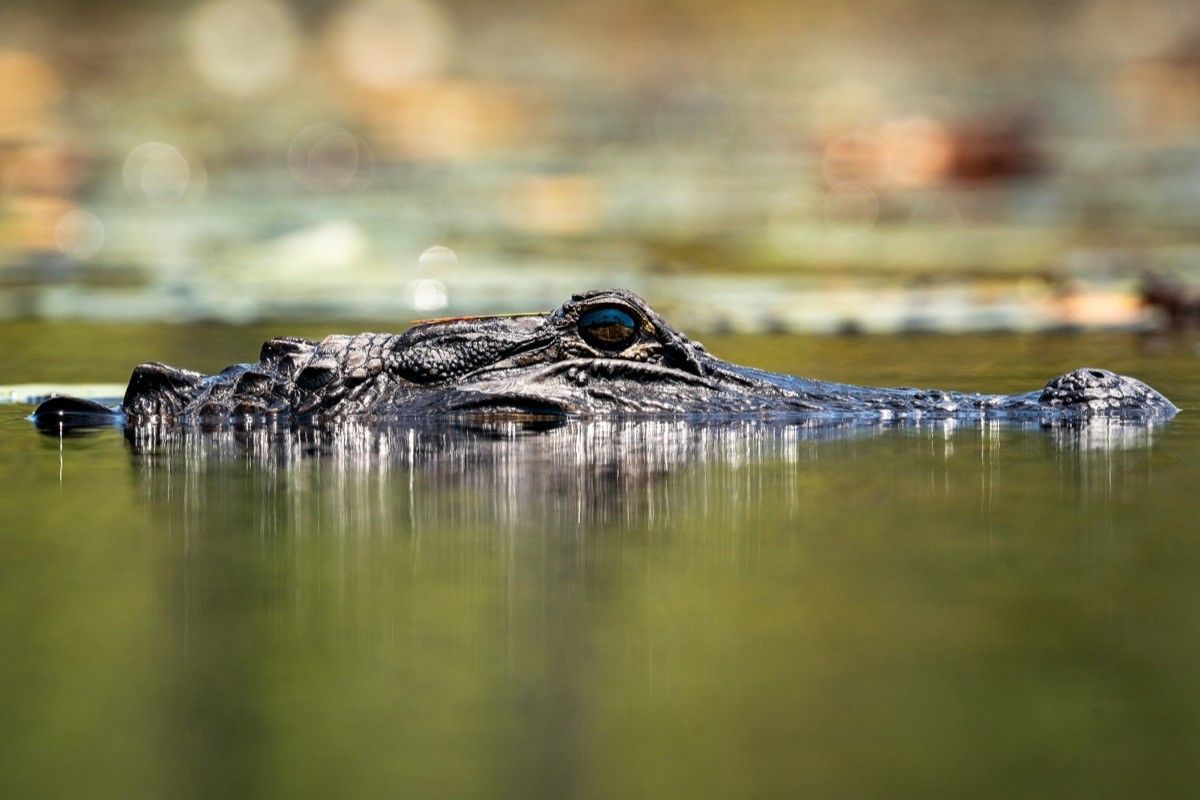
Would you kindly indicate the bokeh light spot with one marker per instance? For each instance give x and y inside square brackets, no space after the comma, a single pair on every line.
[156,173]
[438,257]
[382,44]
[242,47]
[79,234]
[326,157]
[425,294]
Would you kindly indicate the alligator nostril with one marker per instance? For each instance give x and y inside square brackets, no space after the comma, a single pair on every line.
[1097,373]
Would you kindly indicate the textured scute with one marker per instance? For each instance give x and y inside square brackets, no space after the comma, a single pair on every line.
[285,355]
[159,390]
[343,375]
[239,391]
[540,363]
[433,353]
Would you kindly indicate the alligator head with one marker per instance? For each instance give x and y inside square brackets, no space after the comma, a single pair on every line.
[601,353]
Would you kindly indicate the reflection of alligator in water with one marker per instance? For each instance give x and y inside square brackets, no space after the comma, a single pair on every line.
[602,353]
[564,472]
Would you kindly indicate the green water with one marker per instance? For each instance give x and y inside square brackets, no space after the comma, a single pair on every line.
[605,610]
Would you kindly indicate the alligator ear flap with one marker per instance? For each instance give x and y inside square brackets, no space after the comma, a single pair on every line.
[158,389]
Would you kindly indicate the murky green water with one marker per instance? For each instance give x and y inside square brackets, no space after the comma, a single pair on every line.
[605,610]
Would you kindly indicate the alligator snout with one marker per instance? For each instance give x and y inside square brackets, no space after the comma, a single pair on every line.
[1099,391]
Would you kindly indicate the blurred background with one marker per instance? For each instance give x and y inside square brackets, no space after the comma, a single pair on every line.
[760,166]
[658,608]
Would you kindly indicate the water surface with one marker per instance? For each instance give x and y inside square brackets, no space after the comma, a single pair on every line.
[605,609]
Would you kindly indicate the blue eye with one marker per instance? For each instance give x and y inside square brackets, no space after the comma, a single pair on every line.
[611,329]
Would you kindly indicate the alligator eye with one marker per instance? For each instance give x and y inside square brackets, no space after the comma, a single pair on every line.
[611,329]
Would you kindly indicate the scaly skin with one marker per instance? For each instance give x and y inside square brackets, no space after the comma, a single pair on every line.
[602,353]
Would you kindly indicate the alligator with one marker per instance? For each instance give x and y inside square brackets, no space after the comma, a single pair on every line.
[602,353]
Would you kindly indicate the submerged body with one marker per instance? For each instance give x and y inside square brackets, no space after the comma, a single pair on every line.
[602,353]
